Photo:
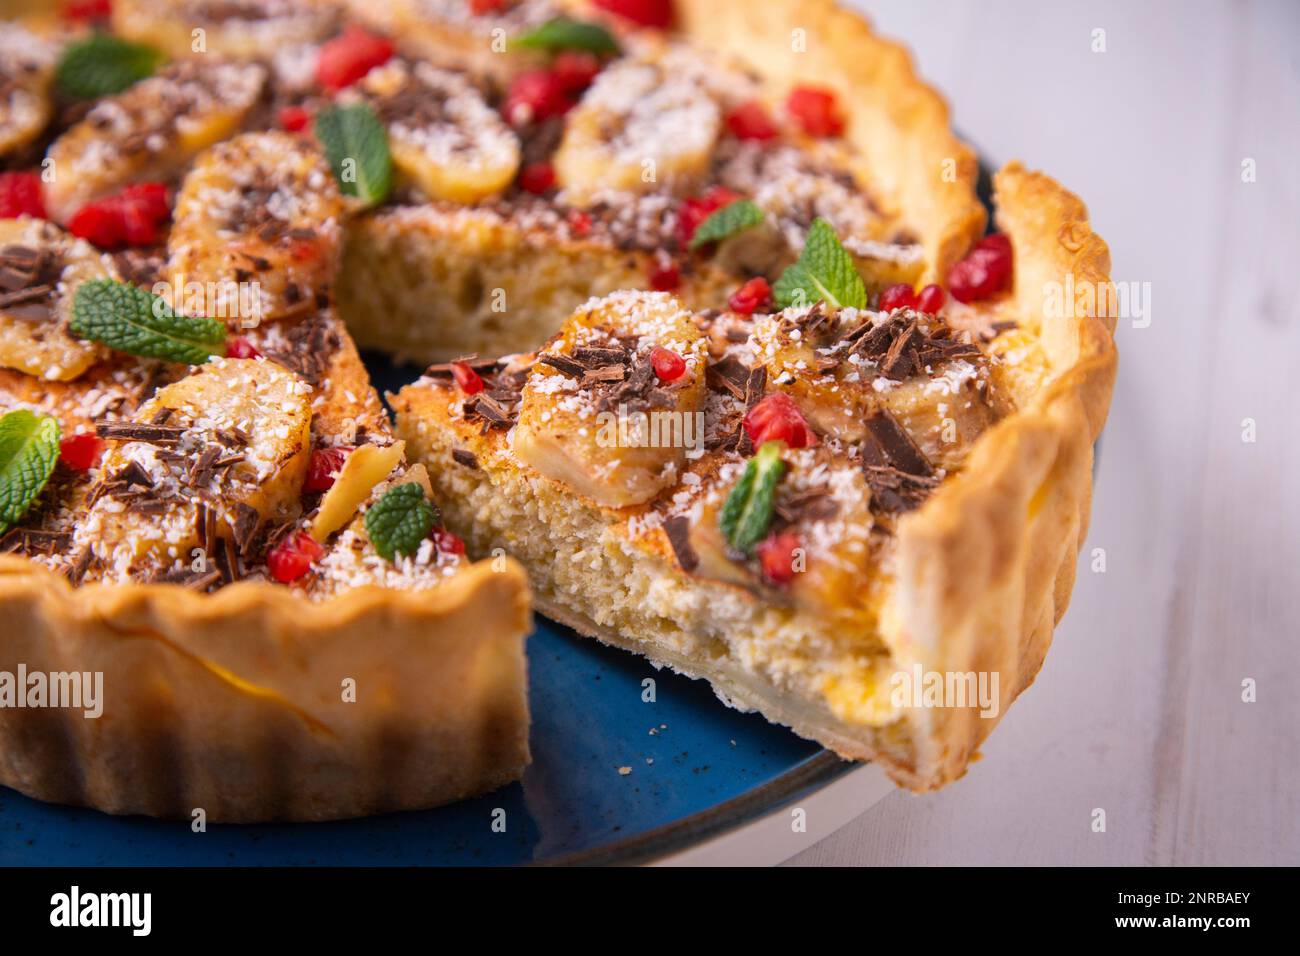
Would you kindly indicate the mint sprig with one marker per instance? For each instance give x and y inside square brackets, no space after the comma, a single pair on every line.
[29,449]
[400,520]
[356,145]
[566,33]
[747,512]
[730,219]
[824,272]
[102,65]
[129,319]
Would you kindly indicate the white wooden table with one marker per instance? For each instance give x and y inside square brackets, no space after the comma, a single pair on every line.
[1139,708]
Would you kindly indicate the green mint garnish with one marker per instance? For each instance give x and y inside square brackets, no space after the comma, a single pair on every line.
[400,520]
[102,65]
[29,449]
[824,273]
[356,145]
[747,513]
[130,319]
[565,33]
[730,219]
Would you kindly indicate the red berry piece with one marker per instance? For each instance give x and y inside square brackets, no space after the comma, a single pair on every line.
[535,95]
[898,296]
[665,276]
[815,110]
[751,120]
[695,209]
[574,70]
[294,119]
[99,223]
[240,348]
[931,299]
[133,217]
[86,11]
[20,195]
[984,272]
[537,178]
[579,223]
[446,542]
[669,366]
[323,467]
[778,417]
[293,556]
[81,451]
[750,297]
[350,56]
[469,381]
[646,13]
[776,556]
[482,8]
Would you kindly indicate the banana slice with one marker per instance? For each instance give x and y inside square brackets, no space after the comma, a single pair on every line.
[26,69]
[597,416]
[40,269]
[239,29]
[150,131]
[256,232]
[641,127]
[444,137]
[206,461]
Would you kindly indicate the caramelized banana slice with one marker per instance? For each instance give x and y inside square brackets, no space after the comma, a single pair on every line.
[201,467]
[26,69]
[239,29]
[40,269]
[256,231]
[443,136]
[603,416]
[150,131]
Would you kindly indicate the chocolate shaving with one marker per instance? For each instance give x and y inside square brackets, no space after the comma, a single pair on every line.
[897,471]
[813,505]
[678,530]
[755,385]
[729,375]
[463,456]
[247,521]
[139,431]
[133,474]
[593,356]
[31,541]
[80,565]
[606,373]
[563,363]
[443,369]
[36,293]
[201,471]
[489,409]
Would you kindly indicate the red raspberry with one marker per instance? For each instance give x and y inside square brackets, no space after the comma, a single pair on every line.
[240,348]
[446,542]
[669,366]
[350,56]
[99,223]
[665,276]
[816,111]
[20,195]
[777,417]
[533,96]
[469,380]
[483,7]
[323,467]
[293,556]
[82,451]
[931,299]
[776,554]
[133,217]
[898,296]
[751,296]
[574,70]
[984,272]
[695,209]
[751,120]
[84,11]
[294,119]
[647,13]
[537,178]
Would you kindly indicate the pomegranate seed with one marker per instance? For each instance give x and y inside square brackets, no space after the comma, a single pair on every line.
[293,556]
[133,217]
[984,272]
[150,198]
[575,69]
[99,223]
[669,366]
[931,299]
[240,348]
[469,380]
[83,11]
[665,276]
[579,223]
[20,195]
[776,554]
[647,13]
[778,417]
[138,227]
[483,7]
[82,451]
[816,111]
[350,56]
[537,178]
[323,467]
[751,120]
[533,96]
[446,542]
[294,119]
[751,296]
[899,296]
[304,250]
[694,210]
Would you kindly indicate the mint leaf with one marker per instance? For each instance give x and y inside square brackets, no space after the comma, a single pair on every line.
[129,319]
[824,273]
[565,33]
[356,145]
[101,65]
[29,449]
[399,520]
[747,513]
[730,219]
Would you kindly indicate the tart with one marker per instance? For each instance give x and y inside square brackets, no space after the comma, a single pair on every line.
[758,230]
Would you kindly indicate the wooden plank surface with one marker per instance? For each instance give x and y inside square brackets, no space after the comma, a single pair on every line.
[1139,708]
